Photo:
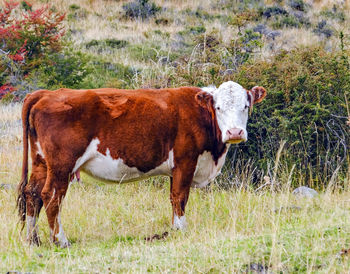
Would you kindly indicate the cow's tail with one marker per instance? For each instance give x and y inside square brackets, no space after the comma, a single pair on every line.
[29,101]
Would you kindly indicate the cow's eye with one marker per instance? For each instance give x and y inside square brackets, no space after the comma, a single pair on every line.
[218,108]
[246,107]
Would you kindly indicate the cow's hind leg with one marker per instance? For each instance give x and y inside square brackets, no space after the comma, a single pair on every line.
[54,190]
[33,199]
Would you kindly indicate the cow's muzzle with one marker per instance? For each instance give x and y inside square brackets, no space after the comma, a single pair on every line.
[235,135]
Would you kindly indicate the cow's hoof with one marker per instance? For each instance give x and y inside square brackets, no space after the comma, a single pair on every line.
[64,244]
[179,223]
[34,240]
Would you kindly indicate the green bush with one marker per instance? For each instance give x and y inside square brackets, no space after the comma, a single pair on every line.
[111,43]
[305,106]
[106,74]
[140,9]
[67,68]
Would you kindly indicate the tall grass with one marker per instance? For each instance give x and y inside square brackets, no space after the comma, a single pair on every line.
[248,218]
[232,229]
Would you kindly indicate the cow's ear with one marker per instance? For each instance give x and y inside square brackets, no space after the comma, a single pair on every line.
[256,95]
[204,99]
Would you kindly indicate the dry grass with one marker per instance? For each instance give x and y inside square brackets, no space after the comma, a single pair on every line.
[228,231]
[10,143]
[104,20]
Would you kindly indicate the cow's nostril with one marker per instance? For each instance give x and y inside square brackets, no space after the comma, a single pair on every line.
[240,132]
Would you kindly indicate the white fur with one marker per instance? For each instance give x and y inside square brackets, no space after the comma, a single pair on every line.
[209,89]
[179,222]
[31,227]
[107,168]
[231,107]
[89,153]
[39,151]
[206,169]
[61,238]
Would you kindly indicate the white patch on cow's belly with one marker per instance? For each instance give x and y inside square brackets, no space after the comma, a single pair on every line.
[39,151]
[107,168]
[206,169]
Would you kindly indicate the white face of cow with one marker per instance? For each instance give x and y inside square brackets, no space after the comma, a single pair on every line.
[232,103]
[232,107]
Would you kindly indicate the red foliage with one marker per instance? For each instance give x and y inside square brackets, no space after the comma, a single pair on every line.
[5,89]
[26,36]
[21,53]
[36,30]
[5,14]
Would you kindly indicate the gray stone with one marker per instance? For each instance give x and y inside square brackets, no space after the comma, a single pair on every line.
[305,192]
[264,30]
[257,268]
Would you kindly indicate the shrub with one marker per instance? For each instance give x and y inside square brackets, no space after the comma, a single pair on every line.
[275,10]
[240,19]
[106,74]
[74,7]
[263,29]
[286,21]
[140,9]
[67,68]
[197,29]
[306,107]
[321,29]
[11,76]
[297,5]
[38,31]
[112,43]
[76,12]
[163,21]
[26,36]
[334,13]
[242,49]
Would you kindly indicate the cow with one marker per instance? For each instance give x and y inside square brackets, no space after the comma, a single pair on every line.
[123,136]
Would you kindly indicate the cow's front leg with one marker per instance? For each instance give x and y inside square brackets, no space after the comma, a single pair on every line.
[179,192]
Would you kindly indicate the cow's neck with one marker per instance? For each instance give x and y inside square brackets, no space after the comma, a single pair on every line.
[218,148]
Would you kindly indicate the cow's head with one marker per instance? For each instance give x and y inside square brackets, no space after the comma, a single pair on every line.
[232,104]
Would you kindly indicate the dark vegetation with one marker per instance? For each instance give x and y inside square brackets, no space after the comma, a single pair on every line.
[306,107]
[142,9]
[308,87]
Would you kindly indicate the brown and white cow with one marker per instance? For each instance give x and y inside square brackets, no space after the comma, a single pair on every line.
[127,135]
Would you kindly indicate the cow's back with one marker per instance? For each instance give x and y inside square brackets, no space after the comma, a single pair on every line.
[138,127]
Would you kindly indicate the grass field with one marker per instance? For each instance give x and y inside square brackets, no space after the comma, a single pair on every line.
[235,230]
[232,226]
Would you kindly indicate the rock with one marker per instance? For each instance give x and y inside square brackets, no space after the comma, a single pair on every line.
[264,30]
[305,192]
[257,268]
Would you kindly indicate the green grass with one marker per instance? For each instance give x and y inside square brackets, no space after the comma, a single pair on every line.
[228,230]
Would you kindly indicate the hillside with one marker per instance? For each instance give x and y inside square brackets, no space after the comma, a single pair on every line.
[248,220]
[298,50]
